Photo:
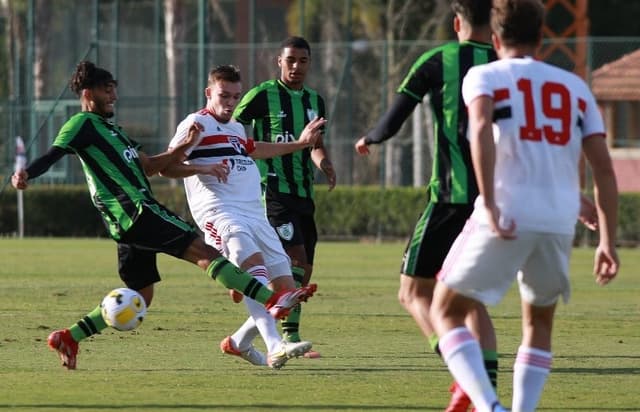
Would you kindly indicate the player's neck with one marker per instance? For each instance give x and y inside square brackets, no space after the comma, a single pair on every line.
[293,86]
[478,35]
[517,51]
[215,116]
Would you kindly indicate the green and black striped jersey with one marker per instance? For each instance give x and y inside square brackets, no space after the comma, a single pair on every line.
[111,166]
[439,73]
[279,114]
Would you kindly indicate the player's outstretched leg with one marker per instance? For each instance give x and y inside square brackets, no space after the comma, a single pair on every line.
[67,348]
[251,354]
[460,401]
[281,303]
[291,325]
[287,351]
[65,341]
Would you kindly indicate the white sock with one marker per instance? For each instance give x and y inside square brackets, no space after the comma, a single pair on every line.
[463,356]
[530,371]
[260,321]
[244,336]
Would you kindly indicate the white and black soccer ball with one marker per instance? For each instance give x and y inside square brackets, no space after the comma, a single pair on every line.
[123,309]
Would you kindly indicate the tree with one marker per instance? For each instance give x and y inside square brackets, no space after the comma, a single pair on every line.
[174,33]
[383,38]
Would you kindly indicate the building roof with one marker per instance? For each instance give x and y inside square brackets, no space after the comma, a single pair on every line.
[619,79]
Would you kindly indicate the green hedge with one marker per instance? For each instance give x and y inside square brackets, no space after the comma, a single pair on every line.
[344,213]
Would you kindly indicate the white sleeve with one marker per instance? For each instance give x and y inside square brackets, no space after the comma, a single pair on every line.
[476,83]
[592,118]
[181,132]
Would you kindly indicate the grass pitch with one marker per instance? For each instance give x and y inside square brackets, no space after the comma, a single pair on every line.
[373,356]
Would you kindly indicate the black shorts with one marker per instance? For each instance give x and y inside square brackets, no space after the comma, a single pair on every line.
[155,230]
[293,219]
[434,233]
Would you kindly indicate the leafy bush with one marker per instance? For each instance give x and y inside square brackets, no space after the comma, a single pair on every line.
[345,213]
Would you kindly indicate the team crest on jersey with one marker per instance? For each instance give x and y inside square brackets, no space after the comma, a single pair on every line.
[285,231]
[233,141]
[230,163]
[311,114]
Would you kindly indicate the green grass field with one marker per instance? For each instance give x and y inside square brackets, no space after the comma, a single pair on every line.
[373,356]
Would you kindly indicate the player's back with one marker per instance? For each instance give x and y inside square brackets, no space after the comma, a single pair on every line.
[541,114]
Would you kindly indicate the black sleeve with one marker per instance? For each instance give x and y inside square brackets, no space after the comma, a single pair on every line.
[392,120]
[44,162]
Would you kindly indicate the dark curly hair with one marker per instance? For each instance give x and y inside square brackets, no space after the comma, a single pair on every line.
[88,75]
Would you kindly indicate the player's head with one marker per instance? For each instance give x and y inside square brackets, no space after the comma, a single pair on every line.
[518,22]
[96,88]
[475,12]
[293,60]
[224,89]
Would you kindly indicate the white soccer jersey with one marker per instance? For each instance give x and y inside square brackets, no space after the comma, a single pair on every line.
[541,115]
[221,143]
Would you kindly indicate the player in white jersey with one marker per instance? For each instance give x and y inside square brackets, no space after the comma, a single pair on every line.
[528,123]
[222,184]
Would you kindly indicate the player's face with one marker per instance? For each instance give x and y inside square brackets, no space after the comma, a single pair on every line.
[294,64]
[102,99]
[222,99]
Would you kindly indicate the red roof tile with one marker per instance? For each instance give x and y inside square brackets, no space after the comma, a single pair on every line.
[618,80]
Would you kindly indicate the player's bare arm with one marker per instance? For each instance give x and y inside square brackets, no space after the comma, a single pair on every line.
[606,262]
[483,154]
[588,215]
[155,164]
[309,137]
[181,170]
[321,160]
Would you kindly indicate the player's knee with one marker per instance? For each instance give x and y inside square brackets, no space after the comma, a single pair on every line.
[405,297]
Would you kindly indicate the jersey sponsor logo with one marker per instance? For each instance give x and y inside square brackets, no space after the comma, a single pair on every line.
[239,165]
[281,115]
[284,138]
[129,154]
[285,231]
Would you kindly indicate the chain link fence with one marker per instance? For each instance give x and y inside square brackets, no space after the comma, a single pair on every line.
[357,79]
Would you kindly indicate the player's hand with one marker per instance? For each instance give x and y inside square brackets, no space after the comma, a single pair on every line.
[503,226]
[588,213]
[605,265]
[312,132]
[192,134]
[361,146]
[19,179]
[327,168]
[219,170]
[190,140]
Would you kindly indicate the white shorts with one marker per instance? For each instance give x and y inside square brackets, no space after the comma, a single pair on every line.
[239,237]
[483,266]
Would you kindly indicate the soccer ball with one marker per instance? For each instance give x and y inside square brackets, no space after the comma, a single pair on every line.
[123,309]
